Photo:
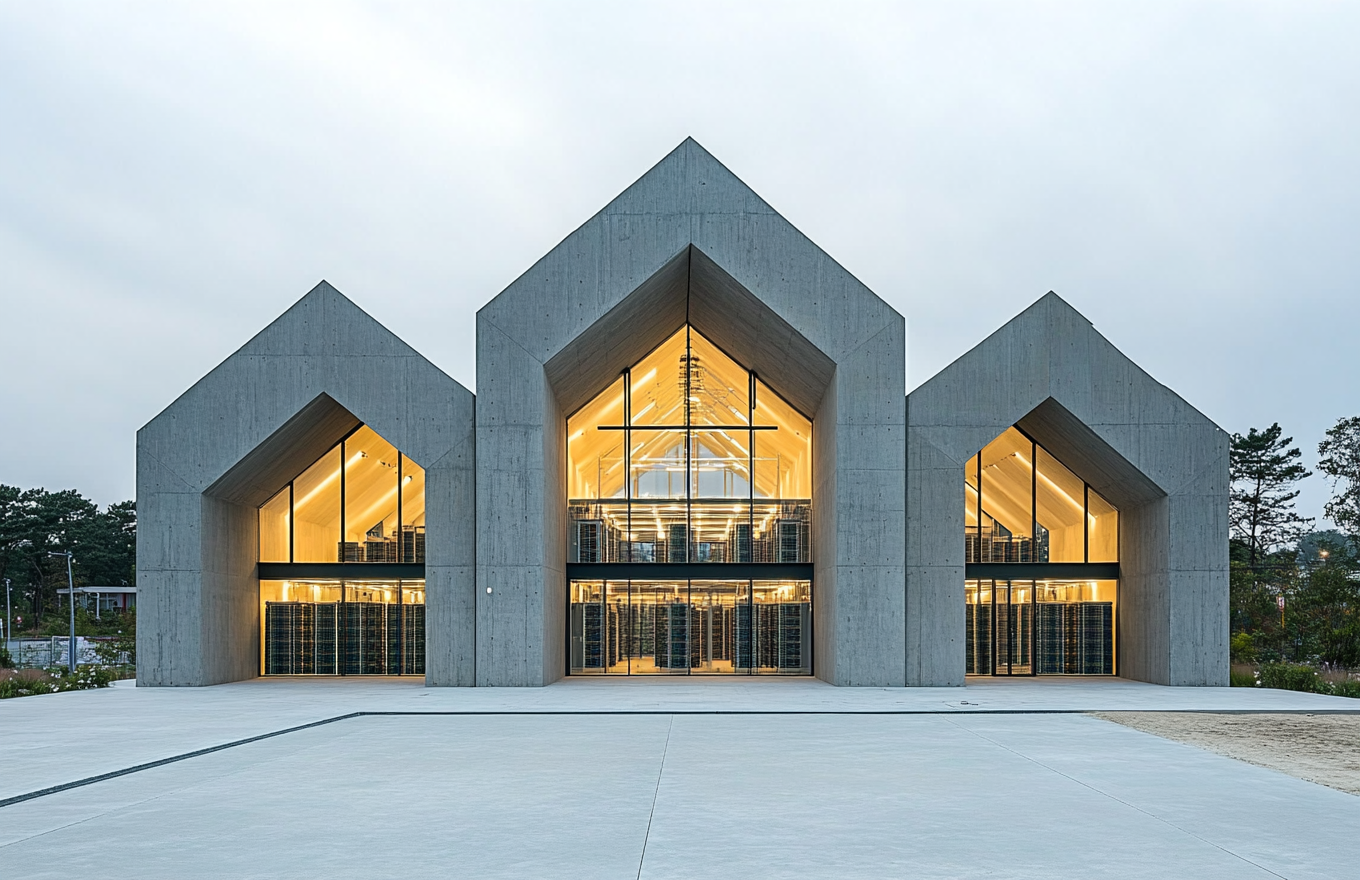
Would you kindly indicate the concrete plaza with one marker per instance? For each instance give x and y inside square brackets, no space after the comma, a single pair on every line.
[670,778]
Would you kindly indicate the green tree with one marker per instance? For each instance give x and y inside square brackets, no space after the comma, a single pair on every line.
[35,521]
[1264,471]
[1340,461]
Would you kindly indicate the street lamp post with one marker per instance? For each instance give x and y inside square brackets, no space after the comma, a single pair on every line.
[9,635]
[71,596]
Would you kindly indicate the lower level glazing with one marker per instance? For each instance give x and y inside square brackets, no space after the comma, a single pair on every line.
[1040,627]
[683,627]
[342,627]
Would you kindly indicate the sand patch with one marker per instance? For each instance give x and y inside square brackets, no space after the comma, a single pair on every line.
[1319,748]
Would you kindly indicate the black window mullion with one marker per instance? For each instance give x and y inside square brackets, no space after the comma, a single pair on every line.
[751,468]
[627,462]
[292,518]
[343,445]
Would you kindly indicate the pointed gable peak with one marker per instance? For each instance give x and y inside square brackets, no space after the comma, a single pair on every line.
[325,321]
[689,180]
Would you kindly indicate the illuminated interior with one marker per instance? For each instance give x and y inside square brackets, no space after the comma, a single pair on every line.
[370,510]
[689,458]
[1023,506]
[363,502]
[686,627]
[1040,627]
[1025,510]
[342,627]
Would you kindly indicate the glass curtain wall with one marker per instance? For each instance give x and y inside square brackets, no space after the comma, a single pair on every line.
[363,501]
[342,627]
[689,627]
[1040,627]
[689,458]
[1022,505]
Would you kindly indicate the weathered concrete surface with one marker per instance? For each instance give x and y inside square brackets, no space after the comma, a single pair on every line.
[207,462]
[1151,454]
[690,239]
[589,795]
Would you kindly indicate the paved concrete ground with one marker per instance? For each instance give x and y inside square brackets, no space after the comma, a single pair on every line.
[671,794]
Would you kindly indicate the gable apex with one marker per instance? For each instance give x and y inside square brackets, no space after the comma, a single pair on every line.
[326,322]
[687,200]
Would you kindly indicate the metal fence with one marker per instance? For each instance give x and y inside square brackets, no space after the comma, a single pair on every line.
[54,651]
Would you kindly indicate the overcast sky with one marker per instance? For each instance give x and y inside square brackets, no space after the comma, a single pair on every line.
[173,177]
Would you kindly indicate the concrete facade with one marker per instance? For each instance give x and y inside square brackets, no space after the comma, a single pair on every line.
[1151,454]
[690,239]
[211,458]
[687,243]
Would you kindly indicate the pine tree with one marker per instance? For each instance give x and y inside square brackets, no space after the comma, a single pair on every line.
[1264,469]
[1340,461]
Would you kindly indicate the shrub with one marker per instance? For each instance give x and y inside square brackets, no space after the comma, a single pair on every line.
[1241,648]
[1291,677]
[1242,678]
[6,661]
[29,682]
[1346,689]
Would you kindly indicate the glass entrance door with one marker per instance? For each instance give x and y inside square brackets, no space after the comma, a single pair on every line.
[1013,607]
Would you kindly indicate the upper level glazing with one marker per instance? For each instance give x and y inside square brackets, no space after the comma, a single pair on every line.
[363,501]
[1022,505]
[689,457]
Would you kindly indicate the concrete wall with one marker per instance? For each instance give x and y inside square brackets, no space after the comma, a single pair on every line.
[207,462]
[690,232]
[1151,454]
[687,242]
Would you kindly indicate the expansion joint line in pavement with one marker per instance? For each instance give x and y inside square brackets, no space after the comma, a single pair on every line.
[657,791]
[1118,800]
[137,768]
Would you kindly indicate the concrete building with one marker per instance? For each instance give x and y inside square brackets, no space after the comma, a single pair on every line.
[691,452]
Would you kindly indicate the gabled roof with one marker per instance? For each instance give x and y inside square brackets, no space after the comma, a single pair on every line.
[315,372]
[688,241]
[1050,371]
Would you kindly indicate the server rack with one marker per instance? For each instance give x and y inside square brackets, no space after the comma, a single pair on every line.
[1096,627]
[792,623]
[677,543]
[1051,655]
[343,638]
[327,630]
[741,542]
[413,639]
[672,640]
[1072,638]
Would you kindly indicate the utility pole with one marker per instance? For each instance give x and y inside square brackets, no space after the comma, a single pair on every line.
[71,596]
